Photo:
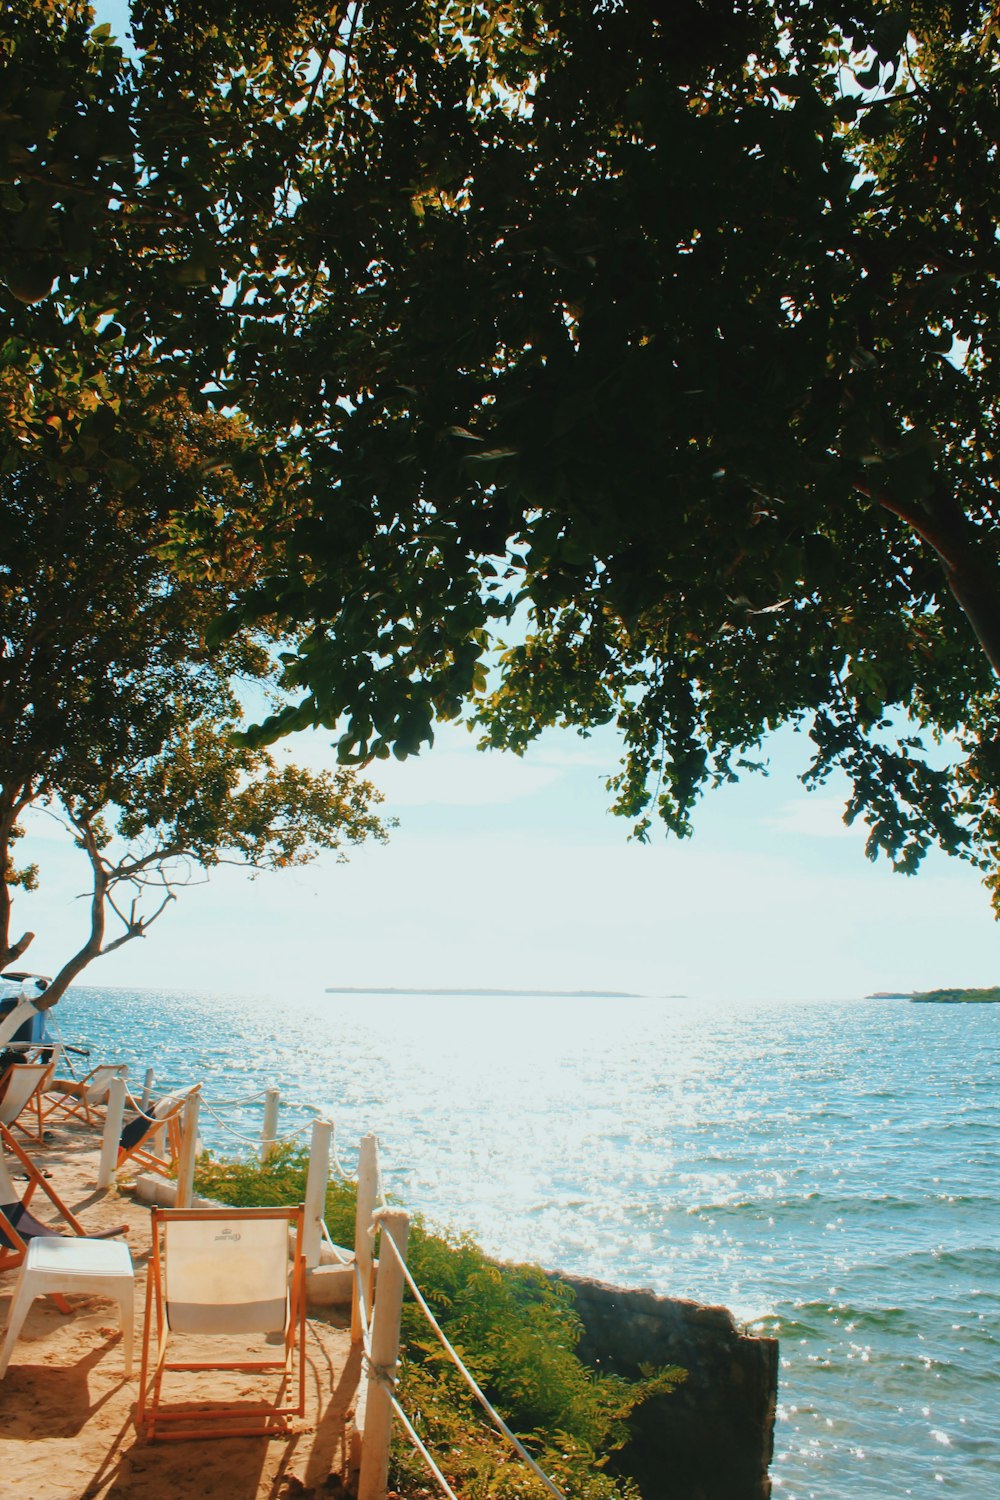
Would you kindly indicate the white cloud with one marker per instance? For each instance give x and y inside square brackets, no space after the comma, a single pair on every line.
[814,817]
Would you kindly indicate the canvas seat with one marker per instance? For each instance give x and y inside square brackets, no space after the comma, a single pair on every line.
[140,1138]
[21,1091]
[217,1276]
[79,1097]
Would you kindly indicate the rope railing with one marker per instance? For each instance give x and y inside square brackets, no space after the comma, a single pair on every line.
[470,1381]
[383,1377]
[415,1439]
[248,1140]
[213,1107]
[233,1103]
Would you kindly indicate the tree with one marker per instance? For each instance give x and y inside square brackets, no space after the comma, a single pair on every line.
[114,718]
[672,327]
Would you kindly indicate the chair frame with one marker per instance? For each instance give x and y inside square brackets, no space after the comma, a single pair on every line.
[71,1094]
[146,1159]
[32,1101]
[224,1420]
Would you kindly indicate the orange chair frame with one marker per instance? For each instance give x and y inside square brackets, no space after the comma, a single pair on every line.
[228,1420]
[68,1096]
[145,1158]
[33,1103]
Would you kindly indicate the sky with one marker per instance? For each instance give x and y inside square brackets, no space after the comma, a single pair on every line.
[509,873]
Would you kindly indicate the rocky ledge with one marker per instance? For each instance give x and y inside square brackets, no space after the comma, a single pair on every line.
[712,1438]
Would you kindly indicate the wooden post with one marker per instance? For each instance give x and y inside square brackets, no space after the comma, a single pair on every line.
[269,1134]
[112,1131]
[364,1253]
[374,1476]
[147,1091]
[189,1142]
[319,1176]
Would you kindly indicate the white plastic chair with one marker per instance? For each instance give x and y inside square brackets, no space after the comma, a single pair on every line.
[101,1268]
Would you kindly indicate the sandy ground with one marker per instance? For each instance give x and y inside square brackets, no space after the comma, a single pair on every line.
[67,1428]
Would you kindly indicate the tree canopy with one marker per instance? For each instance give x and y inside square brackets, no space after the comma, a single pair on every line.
[667,329]
[114,717]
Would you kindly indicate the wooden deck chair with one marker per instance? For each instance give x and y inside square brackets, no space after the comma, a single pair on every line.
[79,1097]
[139,1141]
[222,1274]
[21,1091]
[18,1226]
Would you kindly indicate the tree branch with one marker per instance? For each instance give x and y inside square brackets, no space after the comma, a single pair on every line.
[970,566]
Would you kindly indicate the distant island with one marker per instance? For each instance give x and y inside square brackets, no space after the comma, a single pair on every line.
[989,996]
[389,989]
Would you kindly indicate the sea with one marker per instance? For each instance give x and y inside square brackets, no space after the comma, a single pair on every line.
[827,1170]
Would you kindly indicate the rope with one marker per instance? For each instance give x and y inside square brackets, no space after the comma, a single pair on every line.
[490,1411]
[133,1101]
[381,1374]
[343,1257]
[363,1310]
[248,1140]
[285,1140]
[385,1378]
[347,1177]
[155,1119]
[232,1103]
[411,1433]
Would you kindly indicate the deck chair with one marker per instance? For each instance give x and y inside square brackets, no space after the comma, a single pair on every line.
[21,1091]
[79,1097]
[223,1274]
[140,1137]
[18,1226]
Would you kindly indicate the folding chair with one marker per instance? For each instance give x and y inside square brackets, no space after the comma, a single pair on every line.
[22,1088]
[79,1097]
[223,1274]
[139,1137]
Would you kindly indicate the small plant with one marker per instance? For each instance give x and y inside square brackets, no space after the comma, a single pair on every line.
[515,1328]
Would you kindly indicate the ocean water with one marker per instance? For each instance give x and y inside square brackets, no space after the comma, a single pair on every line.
[827,1171]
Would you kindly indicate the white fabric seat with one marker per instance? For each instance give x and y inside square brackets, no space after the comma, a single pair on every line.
[99,1268]
[219,1275]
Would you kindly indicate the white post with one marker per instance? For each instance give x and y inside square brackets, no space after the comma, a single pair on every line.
[112,1132]
[269,1134]
[364,1253]
[189,1142]
[374,1476]
[319,1176]
[147,1091]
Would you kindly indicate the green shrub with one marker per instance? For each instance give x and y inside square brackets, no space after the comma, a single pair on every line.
[516,1330]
